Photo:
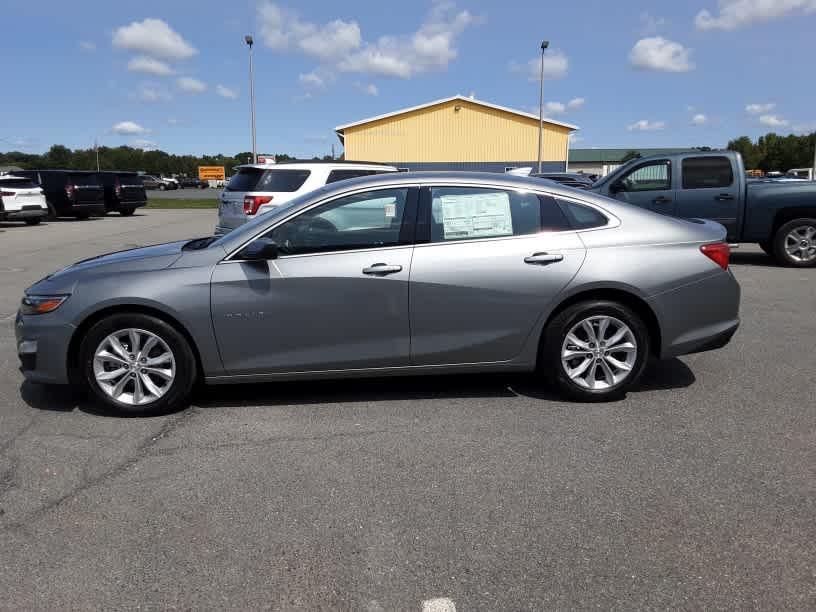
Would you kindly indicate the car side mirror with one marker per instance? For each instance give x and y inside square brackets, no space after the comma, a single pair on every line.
[262,249]
[617,187]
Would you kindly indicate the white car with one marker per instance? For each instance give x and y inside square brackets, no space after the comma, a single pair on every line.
[21,200]
[258,188]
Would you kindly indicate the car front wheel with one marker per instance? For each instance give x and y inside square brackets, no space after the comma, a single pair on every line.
[137,365]
[595,350]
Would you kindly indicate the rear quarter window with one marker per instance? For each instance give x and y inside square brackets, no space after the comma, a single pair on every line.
[582,217]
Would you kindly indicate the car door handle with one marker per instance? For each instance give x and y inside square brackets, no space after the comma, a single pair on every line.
[381,269]
[723,197]
[662,200]
[543,259]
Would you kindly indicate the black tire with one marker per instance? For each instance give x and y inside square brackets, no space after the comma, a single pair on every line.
[177,395]
[162,187]
[33,221]
[554,336]
[126,212]
[767,247]
[780,239]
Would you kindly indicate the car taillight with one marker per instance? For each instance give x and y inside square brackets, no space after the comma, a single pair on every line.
[719,253]
[6,194]
[117,187]
[253,203]
[69,190]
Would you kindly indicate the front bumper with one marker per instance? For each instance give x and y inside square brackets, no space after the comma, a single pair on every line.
[42,347]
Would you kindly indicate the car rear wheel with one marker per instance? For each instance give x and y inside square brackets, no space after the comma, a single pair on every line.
[126,212]
[595,351]
[33,221]
[82,215]
[795,243]
[137,365]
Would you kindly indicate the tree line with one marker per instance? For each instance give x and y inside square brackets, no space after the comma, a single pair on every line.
[126,158]
[773,152]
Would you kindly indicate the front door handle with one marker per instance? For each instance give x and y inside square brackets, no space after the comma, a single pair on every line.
[723,197]
[543,259]
[381,269]
[662,200]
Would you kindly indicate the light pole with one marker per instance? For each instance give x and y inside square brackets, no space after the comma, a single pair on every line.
[248,40]
[544,45]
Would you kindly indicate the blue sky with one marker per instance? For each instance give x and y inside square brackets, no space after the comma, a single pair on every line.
[173,74]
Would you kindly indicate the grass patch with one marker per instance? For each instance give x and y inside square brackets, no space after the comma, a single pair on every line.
[201,203]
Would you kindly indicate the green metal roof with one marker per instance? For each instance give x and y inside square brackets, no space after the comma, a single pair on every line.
[616,155]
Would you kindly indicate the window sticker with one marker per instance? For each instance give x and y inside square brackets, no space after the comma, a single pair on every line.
[476,215]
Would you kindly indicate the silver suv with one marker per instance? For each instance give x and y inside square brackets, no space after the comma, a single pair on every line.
[258,188]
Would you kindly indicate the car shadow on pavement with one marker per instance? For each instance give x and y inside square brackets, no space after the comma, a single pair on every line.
[660,375]
[753,259]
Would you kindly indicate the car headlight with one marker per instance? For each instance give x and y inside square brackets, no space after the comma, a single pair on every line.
[41,304]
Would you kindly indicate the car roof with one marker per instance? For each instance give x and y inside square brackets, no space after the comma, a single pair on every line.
[331,165]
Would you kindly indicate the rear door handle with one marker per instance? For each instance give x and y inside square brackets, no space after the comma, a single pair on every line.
[662,200]
[381,269]
[724,196]
[543,259]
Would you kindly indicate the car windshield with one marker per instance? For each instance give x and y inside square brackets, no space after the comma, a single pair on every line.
[84,179]
[261,179]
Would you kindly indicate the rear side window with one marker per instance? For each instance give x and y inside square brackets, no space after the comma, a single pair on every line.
[259,179]
[582,217]
[17,183]
[342,175]
[707,173]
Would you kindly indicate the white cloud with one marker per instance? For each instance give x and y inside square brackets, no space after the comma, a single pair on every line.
[758,109]
[226,92]
[154,38]
[554,108]
[149,65]
[191,85]
[699,119]
[311,79]
[576,103]
[128,128]
[173,121]
[87,45]
[804,129]
[340,44]
[556,65]
[657,53]
[773,121]
[370,89]
[644,125]
[150,92]
[146,145]
[734,14]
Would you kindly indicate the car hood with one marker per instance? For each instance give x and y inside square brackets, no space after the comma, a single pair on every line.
[139,259]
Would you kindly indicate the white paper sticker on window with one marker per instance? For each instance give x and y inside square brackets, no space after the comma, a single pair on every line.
[390,210]
[476,215]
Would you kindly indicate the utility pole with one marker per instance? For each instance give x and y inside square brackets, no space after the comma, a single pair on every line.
[544,45]
[249,41]
[96,146]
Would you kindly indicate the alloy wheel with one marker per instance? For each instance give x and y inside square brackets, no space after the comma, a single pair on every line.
[599,352]
[134,366]
[800,243]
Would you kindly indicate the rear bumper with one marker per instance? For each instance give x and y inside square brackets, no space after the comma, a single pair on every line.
[22,215]
[700,316]
[126,204]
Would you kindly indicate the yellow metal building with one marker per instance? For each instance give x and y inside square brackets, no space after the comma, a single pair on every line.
[457,133]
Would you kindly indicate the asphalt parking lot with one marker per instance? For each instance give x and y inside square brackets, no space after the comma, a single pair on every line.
[697,491]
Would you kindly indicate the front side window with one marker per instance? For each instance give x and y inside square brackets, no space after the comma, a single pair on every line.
[707,173]
[463,213]
[649,177]
[366,220]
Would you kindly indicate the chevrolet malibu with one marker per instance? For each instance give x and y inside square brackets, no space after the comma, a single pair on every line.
[425,273]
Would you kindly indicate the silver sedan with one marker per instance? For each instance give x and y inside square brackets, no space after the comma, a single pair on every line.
[426,273]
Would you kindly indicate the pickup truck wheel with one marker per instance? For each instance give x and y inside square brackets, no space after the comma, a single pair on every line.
[795,243]
[126,212]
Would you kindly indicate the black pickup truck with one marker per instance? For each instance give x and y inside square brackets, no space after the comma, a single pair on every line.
[780,217]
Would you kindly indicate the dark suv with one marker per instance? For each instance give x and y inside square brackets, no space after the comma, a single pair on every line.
[124,192]
[69,193]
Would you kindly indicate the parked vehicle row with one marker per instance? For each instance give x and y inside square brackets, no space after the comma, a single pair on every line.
[73,193]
